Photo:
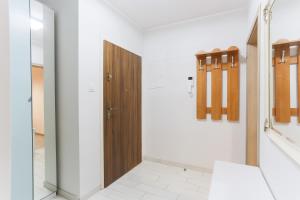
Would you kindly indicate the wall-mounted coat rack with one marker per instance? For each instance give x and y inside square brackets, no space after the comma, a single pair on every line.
[213,62]
[282,61]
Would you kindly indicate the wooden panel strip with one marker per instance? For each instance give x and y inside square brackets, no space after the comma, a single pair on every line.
[216,84]
[125,92]
[298,80]
[224,110]
[282,83]
[294,112]
[210,66]
[139,113]
[286,42]
[115,119]
[293,60]
[201,88]
[214,52]
[233,89]
[108,151]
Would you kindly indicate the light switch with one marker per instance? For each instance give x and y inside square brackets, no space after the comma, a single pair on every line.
[91,88]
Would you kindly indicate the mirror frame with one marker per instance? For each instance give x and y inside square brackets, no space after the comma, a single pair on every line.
[50,138]
[290,149]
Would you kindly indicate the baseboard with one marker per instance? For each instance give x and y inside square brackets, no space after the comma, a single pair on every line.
[91,193]
[50,186]
[67,195]
[177,164]
[70,196]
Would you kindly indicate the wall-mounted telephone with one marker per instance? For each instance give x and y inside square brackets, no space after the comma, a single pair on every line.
[190,85]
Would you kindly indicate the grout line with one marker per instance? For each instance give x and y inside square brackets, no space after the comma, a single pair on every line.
[175,164]
[269,186]
[155,188]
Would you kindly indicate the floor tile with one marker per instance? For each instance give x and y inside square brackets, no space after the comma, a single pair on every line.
[155,181]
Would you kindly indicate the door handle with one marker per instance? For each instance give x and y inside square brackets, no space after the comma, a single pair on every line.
[109,112]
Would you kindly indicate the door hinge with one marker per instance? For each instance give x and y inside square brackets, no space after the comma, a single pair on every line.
[267,14]
[266,125]
[108,76]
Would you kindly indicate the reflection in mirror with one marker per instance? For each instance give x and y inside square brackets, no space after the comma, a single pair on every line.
[43,100]
[285,37]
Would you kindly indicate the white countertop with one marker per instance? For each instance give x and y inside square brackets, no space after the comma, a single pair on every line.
[238,182]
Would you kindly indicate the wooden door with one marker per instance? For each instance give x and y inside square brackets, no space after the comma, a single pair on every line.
[122,112]
[252,99]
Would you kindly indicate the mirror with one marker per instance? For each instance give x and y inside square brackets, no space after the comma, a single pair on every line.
[285,73]
[43,100]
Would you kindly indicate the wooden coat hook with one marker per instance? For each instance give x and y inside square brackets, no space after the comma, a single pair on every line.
[233,85]
[216,57]
[201,62]
[201,81]
[282,62]
[201,66]
[232,61]
[216,66]
[216,85]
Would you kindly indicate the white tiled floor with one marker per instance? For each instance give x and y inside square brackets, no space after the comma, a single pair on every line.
[154,181]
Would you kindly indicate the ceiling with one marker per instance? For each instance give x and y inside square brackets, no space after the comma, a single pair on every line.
[149,14]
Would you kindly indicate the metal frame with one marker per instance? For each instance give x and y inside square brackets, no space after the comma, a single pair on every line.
[290,149]
[268,17]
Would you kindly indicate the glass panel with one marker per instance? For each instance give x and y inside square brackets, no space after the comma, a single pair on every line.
[43,100]
[285,32]
[20,100]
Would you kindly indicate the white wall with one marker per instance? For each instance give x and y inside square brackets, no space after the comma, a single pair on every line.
[282,174]
[80,31]
[97,22]
[5,140]
[171,130]
[168,60]
[253,11]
